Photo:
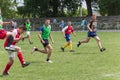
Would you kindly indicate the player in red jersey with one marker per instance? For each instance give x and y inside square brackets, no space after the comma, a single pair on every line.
[66,33]
[17,32]
[5,34]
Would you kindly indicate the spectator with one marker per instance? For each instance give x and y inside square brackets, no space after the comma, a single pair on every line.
[54,22]
[62,24]
[83,24]
[15,24]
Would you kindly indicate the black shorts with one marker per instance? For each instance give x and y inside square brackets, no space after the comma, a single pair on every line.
[46,42]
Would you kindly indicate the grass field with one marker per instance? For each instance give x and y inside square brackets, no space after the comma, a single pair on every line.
[86,63]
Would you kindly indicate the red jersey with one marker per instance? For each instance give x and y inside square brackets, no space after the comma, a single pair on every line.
[68,29]
[16,35]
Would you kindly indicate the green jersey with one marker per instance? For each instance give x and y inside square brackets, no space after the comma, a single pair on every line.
[45,31]
[0,21]
[27,25]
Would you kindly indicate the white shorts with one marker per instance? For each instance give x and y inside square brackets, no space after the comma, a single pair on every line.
[11,54]
[28,33]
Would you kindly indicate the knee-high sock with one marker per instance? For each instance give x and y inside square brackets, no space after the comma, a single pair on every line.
[21,58]
[7,67]
[65,45]
[70,46]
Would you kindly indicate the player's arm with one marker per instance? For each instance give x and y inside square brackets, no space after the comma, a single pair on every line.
[74,33]
[39,34]
[51,38]
[17,39]
[63,30]
[14,34]
[7,23]
[30,25]
[88,26]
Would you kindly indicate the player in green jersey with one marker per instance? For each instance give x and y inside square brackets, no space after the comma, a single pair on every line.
[44,34]
[28,27]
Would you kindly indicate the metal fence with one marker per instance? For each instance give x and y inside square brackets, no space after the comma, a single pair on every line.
[104,23]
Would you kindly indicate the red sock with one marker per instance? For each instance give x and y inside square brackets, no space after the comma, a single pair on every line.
[21,57]
[7,67]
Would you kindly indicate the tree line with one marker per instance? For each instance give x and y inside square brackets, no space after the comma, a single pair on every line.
[57,8]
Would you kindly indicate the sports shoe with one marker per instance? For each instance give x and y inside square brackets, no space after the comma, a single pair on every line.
[31,42]
[49,61]
[62,49]
[11,48]
[78,44]
[33,50]
[23,39]
[72,50]
[102,49]
[25,64]
[5,74]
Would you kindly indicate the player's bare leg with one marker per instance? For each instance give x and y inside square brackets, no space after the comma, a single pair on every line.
[99,43]
[47,50]
[83,41]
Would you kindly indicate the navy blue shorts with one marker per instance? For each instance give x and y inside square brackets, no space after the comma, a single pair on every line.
[92,34]
[67,37]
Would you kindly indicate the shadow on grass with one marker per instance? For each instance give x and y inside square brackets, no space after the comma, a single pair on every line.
[77,53]
[2,76]
[36,62]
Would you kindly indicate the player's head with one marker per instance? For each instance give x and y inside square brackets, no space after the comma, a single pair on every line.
[22,29]
[27,20]
[93,17]
[69,23]
[47,22]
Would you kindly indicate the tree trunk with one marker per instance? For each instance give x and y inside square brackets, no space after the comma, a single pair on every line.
[89,9]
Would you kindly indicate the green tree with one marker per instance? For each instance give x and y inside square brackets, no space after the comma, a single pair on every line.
[35,8]
[48,8]
[71,7]
[8,8]
[109,7]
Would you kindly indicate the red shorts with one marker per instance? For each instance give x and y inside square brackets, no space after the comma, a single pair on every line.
[3,34]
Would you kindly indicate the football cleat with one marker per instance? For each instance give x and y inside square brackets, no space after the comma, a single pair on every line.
[5,74]
[49,61]
[62,49]
[33,50]
[31,42]
[23,39]
[102,49]
[78,44]
[25,64]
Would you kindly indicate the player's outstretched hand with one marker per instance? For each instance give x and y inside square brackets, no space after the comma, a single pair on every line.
[12,23]
[42,41]
[52,42]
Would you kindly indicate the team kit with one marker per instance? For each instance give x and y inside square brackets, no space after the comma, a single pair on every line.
[14,36]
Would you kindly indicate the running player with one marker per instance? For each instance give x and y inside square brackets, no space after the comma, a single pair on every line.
[44,34]
[17,32]
[92,25]
[66,33]
[28,27]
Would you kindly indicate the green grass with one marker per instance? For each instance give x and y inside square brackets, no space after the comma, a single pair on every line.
[86,63]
